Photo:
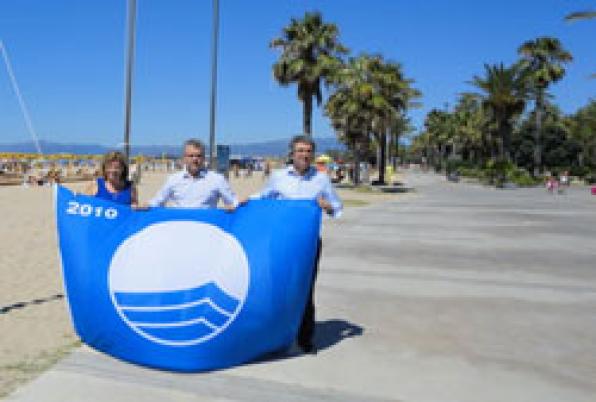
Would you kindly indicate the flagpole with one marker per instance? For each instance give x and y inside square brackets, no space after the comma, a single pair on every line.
[212,153]
[20,99]
[130,52]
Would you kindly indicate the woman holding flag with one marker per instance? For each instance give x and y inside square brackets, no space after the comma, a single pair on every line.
[113,185]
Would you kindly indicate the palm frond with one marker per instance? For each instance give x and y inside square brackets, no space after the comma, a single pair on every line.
[580,15]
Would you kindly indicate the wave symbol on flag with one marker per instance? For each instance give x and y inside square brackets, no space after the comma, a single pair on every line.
[179,316]
[179,283]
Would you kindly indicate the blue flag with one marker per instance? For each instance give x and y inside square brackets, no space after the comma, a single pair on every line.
[186,289]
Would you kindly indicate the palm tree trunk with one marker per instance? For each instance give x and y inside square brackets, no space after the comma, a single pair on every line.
[505,134]
[307,116]
[489,147]
[356,174]
[394,150]
[437,157]
[381,159]
[389,153]
[537,135]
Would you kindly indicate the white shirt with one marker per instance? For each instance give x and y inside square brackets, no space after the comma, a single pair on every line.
[186,191]
[287,184]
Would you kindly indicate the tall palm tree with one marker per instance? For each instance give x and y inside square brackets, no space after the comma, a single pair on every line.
[310,52]
[504,96]
[543,59]
[392,85]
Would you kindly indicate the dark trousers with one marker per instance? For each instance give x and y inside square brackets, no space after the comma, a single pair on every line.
[307,327]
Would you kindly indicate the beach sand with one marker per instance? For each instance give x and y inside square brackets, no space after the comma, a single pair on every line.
[35,328]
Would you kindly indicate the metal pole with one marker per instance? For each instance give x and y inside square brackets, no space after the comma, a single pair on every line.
[212,149]
[22,105]
[130,53]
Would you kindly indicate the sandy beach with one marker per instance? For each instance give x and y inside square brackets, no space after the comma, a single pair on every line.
[35,328]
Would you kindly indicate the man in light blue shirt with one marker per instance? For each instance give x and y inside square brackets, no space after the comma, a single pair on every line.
[195,186]
[298,182]
[301,181]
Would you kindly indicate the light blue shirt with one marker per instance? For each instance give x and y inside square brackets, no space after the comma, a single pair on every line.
[185,191]
[287,184]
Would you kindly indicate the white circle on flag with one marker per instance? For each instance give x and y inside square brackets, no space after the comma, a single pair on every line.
[179,283]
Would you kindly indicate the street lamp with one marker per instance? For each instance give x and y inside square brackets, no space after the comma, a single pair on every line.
[132,12]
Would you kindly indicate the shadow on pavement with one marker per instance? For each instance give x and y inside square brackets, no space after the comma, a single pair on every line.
[327,334]
[331,332]
[19,305]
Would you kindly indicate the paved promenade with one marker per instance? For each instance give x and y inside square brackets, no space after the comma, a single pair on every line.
[454,293]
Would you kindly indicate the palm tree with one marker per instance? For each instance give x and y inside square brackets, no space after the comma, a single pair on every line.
[400,127]
[391,121]
[440,126]
[370,96]
[350,107]
[470,122]
[504,97]
[583,130]
[543,60]
[420,149]
[310,52]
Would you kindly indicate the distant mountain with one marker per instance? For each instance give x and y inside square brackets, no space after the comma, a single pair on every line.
[280,147]
[265,148]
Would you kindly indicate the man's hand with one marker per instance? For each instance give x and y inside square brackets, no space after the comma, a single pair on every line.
[229,208]
[242,201]
[325,205]
[140,207]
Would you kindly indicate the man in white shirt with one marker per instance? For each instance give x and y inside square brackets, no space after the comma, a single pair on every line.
[302,181]
[195,186]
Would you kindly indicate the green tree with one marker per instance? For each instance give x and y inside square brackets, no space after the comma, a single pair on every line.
[543,59]
[504,97]
[441,128]
[401,127]
[351,106]
[559,149]
[311,51]
[391,120]
[582,127]
[370,98]
[470,121]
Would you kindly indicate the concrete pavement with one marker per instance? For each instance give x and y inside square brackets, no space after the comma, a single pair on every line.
[456,293]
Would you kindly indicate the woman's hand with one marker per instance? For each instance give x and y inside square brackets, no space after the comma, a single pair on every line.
[140,207]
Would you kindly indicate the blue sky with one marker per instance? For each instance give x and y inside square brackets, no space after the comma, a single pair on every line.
[68,57]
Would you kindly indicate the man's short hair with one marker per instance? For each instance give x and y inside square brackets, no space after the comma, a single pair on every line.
[302,139]
[193,142]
